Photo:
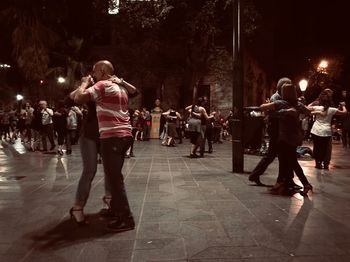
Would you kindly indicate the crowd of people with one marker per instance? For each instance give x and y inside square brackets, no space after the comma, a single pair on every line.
[61,123]
[97,114]
[36,123]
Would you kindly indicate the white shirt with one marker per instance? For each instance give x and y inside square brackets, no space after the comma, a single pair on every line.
[46,116]
[72,119]
[322,124]
[29,115]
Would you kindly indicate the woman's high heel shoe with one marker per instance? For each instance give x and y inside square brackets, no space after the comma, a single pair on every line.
[80,221]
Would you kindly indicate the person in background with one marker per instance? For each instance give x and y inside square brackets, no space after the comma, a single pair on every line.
[60,125]
[345,120]
[198,118]
[208,129]
[171,116]
[29,111]
[36,129]
[321,130]
[74,113]
[130,152]
[147,123]
[13,124]
[47,125]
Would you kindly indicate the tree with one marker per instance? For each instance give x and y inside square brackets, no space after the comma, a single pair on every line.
[324,77]
[31,39]
[157,39]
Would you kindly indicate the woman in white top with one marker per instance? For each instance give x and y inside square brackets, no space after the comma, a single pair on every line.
[321,130]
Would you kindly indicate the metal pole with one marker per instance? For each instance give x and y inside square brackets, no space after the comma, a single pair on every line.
[237,92]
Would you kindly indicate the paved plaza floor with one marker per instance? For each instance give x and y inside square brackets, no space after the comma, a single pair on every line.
[185,209]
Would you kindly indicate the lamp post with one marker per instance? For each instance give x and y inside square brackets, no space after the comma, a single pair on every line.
[237,91]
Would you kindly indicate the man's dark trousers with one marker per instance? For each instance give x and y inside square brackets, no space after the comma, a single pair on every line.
[113,153]
[272,153]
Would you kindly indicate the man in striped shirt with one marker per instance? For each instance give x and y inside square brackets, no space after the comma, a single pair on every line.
[110,94]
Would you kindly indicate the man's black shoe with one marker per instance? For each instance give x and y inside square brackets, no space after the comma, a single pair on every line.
[256,180]
[121,224]
[106,212]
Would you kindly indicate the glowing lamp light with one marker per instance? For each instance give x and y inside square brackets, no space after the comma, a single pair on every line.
[303,85]
[19,97]
[5,66]
[322,67]
[323,64]
[61,80]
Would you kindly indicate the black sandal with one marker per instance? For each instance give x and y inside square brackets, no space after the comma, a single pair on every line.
[73,217]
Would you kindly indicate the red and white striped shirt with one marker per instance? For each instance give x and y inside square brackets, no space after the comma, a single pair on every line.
[111,108]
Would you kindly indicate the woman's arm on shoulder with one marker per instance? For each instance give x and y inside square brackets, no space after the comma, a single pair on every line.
[342,112]
[268,106]
[188,107]
[204,112]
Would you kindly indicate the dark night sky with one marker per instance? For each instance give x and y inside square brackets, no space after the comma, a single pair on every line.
[292,32]
[305,29]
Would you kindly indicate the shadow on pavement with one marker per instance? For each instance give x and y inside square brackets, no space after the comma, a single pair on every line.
[68,232]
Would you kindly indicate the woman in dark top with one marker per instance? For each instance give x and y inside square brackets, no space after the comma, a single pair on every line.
[89,148]
[289,137]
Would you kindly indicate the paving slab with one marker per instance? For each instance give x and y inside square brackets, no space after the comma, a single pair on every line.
[185,209]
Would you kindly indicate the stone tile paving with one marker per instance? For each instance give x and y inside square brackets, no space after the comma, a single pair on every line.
[185,209]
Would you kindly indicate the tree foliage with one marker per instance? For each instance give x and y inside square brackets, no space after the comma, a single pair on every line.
[151,39]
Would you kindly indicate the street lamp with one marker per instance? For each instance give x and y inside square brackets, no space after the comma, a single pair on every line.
[5,66]
[237,90]
[19,97]
[322,66]
[303,85]
[61,80]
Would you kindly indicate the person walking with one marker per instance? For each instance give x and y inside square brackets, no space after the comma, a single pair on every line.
[111,97]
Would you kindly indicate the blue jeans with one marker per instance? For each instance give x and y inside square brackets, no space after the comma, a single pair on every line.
[113,153]
[89,150]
